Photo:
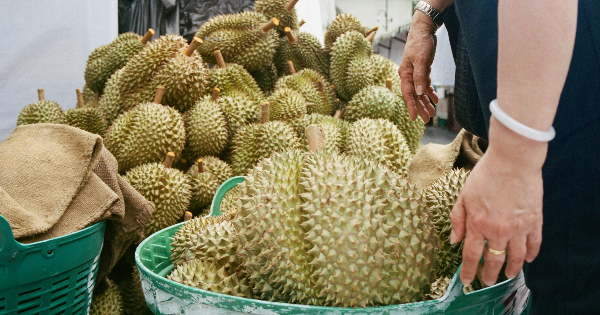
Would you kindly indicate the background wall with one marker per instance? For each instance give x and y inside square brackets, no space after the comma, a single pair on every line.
[45,44]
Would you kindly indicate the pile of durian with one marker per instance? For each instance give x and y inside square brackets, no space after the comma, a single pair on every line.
[332,221]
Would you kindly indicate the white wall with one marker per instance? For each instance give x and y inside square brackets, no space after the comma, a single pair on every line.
[371,13]
[45,44]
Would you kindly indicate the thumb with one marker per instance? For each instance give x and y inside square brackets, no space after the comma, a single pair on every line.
[457,218]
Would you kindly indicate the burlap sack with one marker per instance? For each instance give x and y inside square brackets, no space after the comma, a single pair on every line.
[56,179]
[434,160]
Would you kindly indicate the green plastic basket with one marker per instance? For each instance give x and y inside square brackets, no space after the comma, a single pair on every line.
[55,276]
[165,297]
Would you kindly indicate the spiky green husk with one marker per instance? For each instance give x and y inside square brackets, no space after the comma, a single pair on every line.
[109,302]
[210,277]
[266,77]
[204,185]
[286,105]
[439,287]
[384,68]
[145,134]
[228,202]
[373,102]
[105,60]
[412,130]
[276,8]
[168,188]
[342,23]
[133,295]
[90,98]
[214,244]
[89,119]
[328,229]
[240,39]
[206,126]
[314,87]
[381,141]
[110,103]
[307,52]
[336,130]
[257,141]
[351,68]
[441,197]
[239,111]
[40,112]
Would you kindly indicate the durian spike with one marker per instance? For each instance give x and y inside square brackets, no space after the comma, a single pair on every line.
[310,105]
[374,29]
[291,67]
[201,168]
[371,35]
[270,25]
[80,103]
[215,94]
[192,46]
[290,5]
[316,137]
[265,112]
[187,216]
[301,23]
[388,83]
[169,160]
[220,61]
[160,92]
[41,96]
[338,114]
[144,40]
[290,36]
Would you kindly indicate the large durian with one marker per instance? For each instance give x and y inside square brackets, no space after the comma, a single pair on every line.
[207,130]
[351,68]
[283,10]
[43,111]
[205,177]
[336,130]
[89,119]
[441,197]
[145,134]
[244,38]
[166,187]
[381,141]
[109,302]
[286,105]
[341,24]
[107,59]
[328,229]
[254,142]
[304,50]
[314,87]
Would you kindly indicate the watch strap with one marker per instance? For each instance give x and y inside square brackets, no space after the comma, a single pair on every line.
[432,13]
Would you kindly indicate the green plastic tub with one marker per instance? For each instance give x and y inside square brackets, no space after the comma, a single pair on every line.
[165,297]
[55,276]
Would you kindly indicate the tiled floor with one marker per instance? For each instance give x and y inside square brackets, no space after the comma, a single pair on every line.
[439,135]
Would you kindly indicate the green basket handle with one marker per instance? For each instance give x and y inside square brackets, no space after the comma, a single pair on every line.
[215,207]
[8,245]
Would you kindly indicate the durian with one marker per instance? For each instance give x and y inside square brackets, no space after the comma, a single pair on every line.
[384,69]
[286,105]
[281,9]
[314,87]
[89,119]
[351,68]
[43,111]
[145,134]
[90,98]
[205,177]
[266,77]
[167,187]
[341,24]
[109,302]
[336,130]
[304,50]
[244,38]
[207,130]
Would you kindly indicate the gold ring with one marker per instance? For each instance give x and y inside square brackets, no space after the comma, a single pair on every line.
[496,252]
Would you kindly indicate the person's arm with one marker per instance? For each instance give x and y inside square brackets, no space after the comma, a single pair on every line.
[417,58]
[501,201]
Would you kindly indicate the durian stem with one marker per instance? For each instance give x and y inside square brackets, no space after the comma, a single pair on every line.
[187,216]
[338,114]
[97,95]
[215,94]
[388,83]
[201,168]
[41,96]
[169,160]
[371,35]
[374,29]
[220,61]
[192,46]
[290,5]
[265,112]
[144,40]
[290,36]
[160,92]
[310,105]
[291,67]
[270,25]
[301,23]
[80,103]
[316,137]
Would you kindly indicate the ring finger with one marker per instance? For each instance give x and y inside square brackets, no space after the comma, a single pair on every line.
[493,259]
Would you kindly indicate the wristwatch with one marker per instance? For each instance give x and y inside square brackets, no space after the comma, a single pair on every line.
[432,13]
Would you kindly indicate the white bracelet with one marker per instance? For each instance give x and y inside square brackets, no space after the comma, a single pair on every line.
[523,130]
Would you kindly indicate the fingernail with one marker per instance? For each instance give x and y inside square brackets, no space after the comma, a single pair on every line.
[452,237]
[419,90]
[466,283]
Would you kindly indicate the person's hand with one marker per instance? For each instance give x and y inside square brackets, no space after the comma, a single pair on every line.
[501,203]
[415,68]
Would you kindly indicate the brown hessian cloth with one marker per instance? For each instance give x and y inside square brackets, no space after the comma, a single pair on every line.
[434,160]
[56,179]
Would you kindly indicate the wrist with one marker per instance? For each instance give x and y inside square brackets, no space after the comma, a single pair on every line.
[421,22]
